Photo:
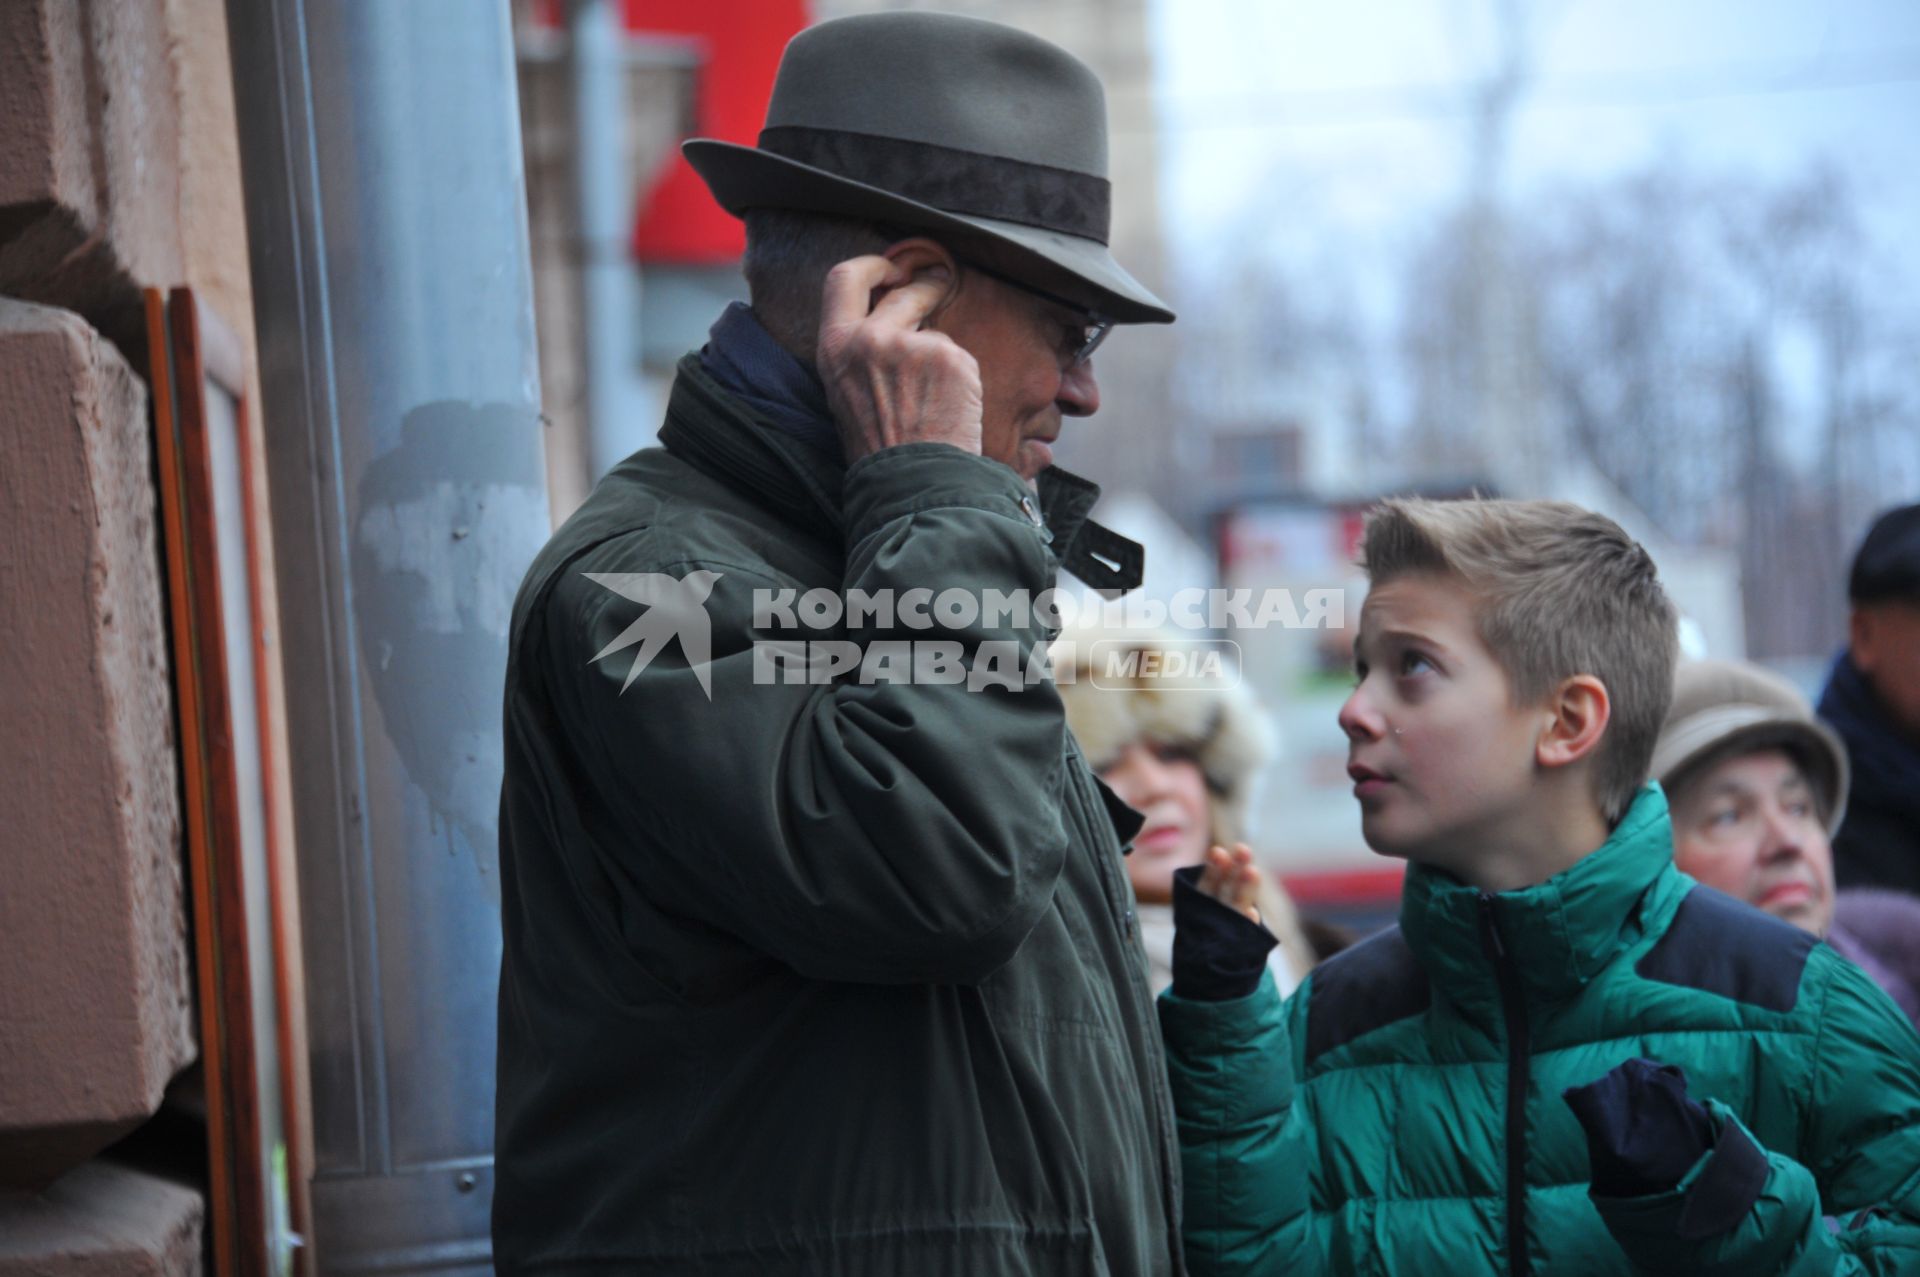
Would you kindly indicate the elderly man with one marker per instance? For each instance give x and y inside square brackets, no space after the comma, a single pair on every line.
[809,970]
[1873,699]
[1757,785]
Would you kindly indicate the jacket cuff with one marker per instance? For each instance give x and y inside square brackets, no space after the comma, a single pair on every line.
[1219,954]
[1191,1020]
[1711,1198]
[910,477]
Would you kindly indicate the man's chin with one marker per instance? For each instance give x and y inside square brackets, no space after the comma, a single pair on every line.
[1035,455]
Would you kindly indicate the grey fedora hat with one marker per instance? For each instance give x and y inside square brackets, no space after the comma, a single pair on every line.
[976,132]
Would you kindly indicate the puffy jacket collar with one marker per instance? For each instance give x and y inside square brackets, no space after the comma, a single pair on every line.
[1559,934]
[715,432]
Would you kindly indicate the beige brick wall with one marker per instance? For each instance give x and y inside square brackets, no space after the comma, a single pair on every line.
[102,1221]
[89,179]
[119,171]
[95,989]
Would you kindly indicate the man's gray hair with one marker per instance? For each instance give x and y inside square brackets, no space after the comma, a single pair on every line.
[788,256]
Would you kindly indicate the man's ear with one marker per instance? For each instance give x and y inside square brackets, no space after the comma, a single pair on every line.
[918,255]
[1579,710]
[1861,635]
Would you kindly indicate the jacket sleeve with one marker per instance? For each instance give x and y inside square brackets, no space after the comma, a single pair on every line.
[1850,1206]
[877,830]
[1244,1150]
[1744,1212]
[1863,1123]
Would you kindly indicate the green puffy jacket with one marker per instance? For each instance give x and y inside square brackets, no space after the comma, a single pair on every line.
[1402,1112]
[813,977]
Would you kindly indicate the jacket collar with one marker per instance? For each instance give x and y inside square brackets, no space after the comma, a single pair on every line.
[717,433]
[743,359]
[1558,934]
[1884,761]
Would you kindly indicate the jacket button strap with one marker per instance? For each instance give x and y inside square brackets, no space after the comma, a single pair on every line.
[1028,508]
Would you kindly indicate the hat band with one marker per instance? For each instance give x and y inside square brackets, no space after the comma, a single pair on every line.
[955,181]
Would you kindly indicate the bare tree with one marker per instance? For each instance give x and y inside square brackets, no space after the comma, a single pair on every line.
[1671,308]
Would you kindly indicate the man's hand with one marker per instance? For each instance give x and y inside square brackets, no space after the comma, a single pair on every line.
[888,381]
[1232,878]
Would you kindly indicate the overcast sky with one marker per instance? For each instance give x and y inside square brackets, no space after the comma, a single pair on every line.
[1318,115]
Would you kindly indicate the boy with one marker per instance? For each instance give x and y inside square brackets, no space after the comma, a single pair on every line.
[1403,1112]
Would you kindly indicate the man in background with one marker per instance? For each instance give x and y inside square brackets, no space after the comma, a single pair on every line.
[1873,700]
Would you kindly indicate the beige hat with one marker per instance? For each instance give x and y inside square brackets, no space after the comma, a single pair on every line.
[1727,707]
[1218,721]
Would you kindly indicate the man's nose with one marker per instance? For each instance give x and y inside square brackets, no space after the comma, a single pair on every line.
[1359,719]
[1079,393]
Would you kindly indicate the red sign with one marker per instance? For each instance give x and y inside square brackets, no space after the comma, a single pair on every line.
[741,41]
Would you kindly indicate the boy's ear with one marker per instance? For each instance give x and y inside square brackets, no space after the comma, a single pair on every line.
[1579,711]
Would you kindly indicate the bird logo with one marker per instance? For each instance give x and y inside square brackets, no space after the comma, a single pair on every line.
[675,608]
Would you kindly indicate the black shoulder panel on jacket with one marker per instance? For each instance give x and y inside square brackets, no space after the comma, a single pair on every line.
[1717,944]
[1364,988]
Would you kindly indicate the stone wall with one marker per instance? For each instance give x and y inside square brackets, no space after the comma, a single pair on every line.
[118,172]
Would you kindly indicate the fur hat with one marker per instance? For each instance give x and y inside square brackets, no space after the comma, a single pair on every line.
[1216,718]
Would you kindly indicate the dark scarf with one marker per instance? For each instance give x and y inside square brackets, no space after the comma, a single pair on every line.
[1880,843]
[749,364]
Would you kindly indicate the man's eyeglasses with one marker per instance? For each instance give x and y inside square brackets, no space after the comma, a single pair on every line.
[1097,326]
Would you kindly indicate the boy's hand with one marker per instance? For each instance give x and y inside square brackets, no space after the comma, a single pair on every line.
[1218,957]
[1643,1130]
[1232,878]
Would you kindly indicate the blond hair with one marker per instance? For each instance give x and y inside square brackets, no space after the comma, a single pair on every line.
[1559,591]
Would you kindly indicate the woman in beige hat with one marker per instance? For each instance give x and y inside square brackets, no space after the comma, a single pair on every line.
[1757,785]
[1184,752]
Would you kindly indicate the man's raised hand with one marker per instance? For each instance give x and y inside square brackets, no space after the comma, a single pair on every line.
[888,381]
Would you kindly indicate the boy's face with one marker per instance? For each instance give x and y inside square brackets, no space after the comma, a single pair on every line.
[1442,760]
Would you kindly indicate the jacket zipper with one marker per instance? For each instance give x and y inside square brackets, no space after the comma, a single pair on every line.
[1119,895]
[1093,814]
[1518,1261]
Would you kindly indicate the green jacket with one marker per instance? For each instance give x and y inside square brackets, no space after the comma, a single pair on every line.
[1402,1113]
[814,978]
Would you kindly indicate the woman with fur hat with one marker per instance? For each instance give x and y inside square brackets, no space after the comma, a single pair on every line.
[1184,751]
[1757,786]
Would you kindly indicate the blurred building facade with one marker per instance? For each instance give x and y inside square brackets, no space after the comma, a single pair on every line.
[685,69]
[706,69]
